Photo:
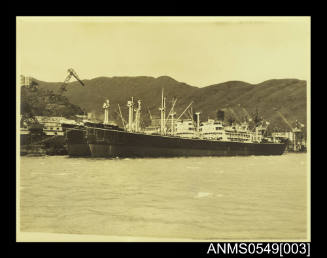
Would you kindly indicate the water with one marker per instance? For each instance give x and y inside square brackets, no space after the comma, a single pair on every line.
[257,197]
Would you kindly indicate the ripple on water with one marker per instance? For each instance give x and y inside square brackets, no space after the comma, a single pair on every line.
[207,197]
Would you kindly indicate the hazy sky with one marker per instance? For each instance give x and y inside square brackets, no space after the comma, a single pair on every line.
[198,51]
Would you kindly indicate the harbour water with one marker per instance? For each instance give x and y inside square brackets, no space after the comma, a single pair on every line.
[233,198]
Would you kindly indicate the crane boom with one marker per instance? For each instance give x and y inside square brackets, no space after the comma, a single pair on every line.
[191,116]
[284,119]
[71,73]
[171,110]
[67,78]
[184,110]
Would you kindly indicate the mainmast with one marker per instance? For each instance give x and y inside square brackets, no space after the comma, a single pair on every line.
[198,122]
[172,122]
[162,113]
[138,116]
[130,105]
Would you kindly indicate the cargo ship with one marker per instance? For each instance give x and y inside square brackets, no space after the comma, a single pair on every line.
[184,138]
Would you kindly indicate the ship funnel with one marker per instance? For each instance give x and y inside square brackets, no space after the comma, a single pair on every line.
[220,115]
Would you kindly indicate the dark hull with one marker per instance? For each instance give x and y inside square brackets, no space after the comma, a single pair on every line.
[76,139]
[78,150]
[112,143]
[76,143]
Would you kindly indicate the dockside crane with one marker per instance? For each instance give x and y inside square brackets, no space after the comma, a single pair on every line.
[71,73]
[284,119]
[295,130]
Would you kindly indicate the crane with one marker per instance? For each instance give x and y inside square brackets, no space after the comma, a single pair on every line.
[284,119]
[171,110]
[297,132]
[184,111]
[297,127]
[71,73]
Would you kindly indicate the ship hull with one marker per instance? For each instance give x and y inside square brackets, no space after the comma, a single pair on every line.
[111,143]
[78,150]
[77,145]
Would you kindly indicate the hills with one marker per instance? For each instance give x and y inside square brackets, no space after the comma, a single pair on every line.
[288,96]
[45,102]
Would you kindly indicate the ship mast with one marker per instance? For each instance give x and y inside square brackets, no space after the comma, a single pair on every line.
[172,113]
[172,122]
[138,116]
[162,113]
[130,105]
[198,122]
[171,110]
[106,107]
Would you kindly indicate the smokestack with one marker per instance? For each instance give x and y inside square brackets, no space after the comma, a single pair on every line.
[195,117]
[220,115]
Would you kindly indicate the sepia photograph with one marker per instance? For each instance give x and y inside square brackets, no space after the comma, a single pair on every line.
[163,129]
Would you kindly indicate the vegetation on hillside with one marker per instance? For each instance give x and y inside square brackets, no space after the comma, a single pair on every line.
[238,99]
[44,102]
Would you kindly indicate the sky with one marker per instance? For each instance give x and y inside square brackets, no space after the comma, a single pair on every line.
[199,51]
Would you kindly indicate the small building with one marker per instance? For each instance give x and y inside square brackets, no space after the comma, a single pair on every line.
[283,136]
[295,139]
[52,125]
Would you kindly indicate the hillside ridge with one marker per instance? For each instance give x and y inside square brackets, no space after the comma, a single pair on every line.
[288,96]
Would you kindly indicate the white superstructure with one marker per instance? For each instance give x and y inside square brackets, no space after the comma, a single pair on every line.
[185,128]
